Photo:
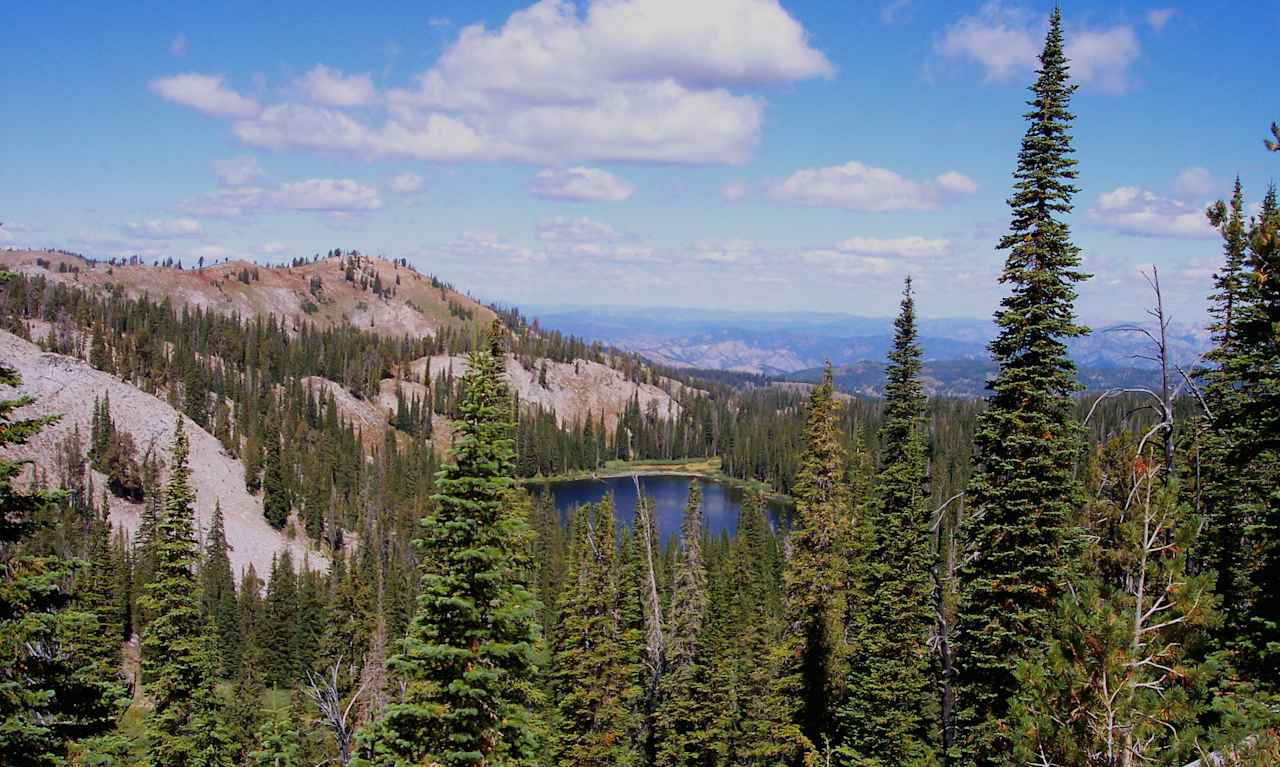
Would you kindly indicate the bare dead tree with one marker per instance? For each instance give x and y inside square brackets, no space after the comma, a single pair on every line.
[1161,399]
[649,591]
[944,578]
[326,691]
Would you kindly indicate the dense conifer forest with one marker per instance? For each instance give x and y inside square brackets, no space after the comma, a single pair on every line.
[1045,578]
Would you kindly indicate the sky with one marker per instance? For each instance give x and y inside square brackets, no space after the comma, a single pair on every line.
[725,154]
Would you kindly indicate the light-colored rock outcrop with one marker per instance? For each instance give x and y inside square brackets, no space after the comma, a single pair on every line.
[68,386]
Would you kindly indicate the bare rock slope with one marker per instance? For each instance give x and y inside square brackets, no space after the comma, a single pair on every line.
[68,386]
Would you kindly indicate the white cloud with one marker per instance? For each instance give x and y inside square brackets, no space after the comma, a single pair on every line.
[271,248]
[846,264]
[315,195]
[1140,212]
[178,46]
[406,183]
[206,94]
[903,247]
[1102,57]
[577,229]
[725,251]
[237,171]
[620,80]
[855,186]
[1006,40]
[1195,182]
[580,184]
[330,88]
[164,228]
[1159,17]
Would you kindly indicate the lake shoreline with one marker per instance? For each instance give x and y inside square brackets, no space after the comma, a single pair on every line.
[708,469]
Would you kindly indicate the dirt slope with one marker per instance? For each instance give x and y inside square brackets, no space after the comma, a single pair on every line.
[68,386]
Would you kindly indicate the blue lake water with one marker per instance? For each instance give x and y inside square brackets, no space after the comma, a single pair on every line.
[720,502]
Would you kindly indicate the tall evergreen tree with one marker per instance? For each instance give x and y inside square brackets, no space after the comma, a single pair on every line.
[597,687]
[889,717]
[219,591]
[1019,533]
[817,569]
[52,692]
[683,726]
[467,664]
[275,496]
[184,728]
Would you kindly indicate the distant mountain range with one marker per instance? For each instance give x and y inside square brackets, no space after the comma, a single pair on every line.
[795,345]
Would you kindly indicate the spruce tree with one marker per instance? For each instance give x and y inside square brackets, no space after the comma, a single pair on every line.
[684,719]
[467,664]
[219,591]
[818,567]
[52,692]
[596,685]
[889,716]
[184,728]
[1018,534]
[275,496]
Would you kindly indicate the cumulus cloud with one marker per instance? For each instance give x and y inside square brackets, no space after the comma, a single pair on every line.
[855,186]
[580,184]
[1134,211]
[331,88]
[321,195]
[1157,18]
[164,228]
[902,247]
[1006,41]
[406,183]
[576,229]
[618,80]
[237,171]
[206,94]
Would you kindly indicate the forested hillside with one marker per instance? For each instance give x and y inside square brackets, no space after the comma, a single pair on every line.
[280,515]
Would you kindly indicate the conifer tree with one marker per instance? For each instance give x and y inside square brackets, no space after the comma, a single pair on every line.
[275,497]
[52,692]
[467,664]
[1019,534]
[596,685]
[889,715]
[219,591]
[97,594]
[684,719]
[184,728]
[817,570]
[277,635]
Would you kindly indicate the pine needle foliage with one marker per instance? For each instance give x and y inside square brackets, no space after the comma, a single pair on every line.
[1019,536]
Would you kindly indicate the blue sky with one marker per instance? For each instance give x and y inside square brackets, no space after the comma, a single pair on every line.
[738,154]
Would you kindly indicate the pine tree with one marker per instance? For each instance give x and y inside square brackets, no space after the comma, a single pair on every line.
[275,497]
[219,591]
[684,719]
[888,717]
[1019,535]
[817,570]
[185,727]
[277,636]
[51,691]
[468,661]
[279,744]
[1118,681]
[596,683]
[96,593]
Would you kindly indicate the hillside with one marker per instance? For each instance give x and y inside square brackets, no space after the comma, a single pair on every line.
[963,378]
[68,386]
[315,291]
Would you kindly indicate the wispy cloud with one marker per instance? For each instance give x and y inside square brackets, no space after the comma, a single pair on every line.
[860,187]
[580,184]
